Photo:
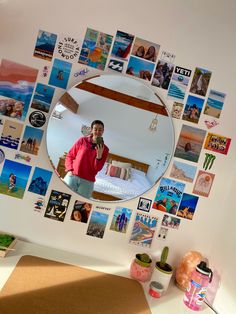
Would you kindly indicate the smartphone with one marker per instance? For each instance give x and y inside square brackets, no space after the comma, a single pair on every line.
[99,140]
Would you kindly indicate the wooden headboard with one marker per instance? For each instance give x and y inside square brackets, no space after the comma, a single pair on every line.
[135,164]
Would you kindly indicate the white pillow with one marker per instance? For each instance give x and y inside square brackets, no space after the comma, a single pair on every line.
[135,173]
[121,164]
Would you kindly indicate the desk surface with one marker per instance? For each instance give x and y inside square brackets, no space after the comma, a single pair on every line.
[169,303]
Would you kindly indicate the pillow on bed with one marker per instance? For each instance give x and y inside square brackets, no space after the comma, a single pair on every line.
[118,172]
[135,173]
[121,164]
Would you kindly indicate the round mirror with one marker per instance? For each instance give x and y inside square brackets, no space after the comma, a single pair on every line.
[138,131]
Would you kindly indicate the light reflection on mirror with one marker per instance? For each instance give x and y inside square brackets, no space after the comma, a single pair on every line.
[133,133]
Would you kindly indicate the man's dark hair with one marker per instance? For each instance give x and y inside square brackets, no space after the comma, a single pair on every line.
[97,122]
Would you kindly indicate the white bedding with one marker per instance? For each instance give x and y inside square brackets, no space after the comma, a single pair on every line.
[138,184]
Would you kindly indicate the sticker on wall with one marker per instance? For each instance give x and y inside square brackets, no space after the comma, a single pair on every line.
[162,234]
[42,97]
[14,178]
[167,56]
[208,162]
[2,155]
[97,224]
[31,140]
[26,158]
[183,172]
[82,72]
[145,49]
[45,45]
[144,204]
[116,65]
[214,104]
[162,74]
[37,119]
[120,220]
[122,45]
[140,68]
[45,71]
[170,222]
[177,109]
[11,134]
[95,49]
[60,73]
[39,205]
[217,143]
[143,230]
[203,183]
[187,206]
[17,82]
[193,109]
[98,207]
[190,143]
[168,196]
[81,211]
[57,205]
[40,181]
[67,48]
[211,123]
[85,130]
[200,82]
[179,82]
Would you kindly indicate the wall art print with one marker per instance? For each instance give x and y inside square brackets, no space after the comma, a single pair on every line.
[11,134]
[170,222]
[57,205]
[81,211]
[203,183]
[177,109]
[217,143]
[145,49]
[60,73]
[200,82]
[122,45]
[42,97]
[193,109]
[187,206]
[214,104]
[97,224]
[45,45]
[140,68]
[120,220]
[163,74]
[182,171]
[40,181]
[16,85]
[31,140]
[179,83]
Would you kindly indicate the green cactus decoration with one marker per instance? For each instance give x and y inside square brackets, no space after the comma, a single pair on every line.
[164,256]
[145,258]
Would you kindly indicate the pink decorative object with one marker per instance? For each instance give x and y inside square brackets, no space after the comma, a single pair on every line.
[183,272]
[141,270]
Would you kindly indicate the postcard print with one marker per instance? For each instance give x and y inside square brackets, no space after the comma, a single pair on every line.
[95,49]
[190,143]
[168,196]
[183,172]
[203,183]
[187,206]
[45,45]
[217,143]
[42,97]
[162,74]
[57,205]
[121,219]
[200,82]
[14,178]
[16,86]
[179,82]
[81,211]
[143,230]
[170,222]
[214,104]
[11,134]
[177,109]
[31,140]
[97,224]
[60,74]
[140,68]
[193,109]
[145,49]
[122,45]
[40,181]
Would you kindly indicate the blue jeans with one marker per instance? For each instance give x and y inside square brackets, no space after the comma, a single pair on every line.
[79,185]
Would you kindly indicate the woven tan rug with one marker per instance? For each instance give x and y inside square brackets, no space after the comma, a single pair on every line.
[41,286]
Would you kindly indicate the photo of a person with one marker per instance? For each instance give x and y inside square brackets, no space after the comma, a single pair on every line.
[85,158]
[81,211]
[12,182]
[145,49]
[140,52]
[150,54]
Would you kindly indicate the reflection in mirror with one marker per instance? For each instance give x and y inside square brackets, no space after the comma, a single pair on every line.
[137,130]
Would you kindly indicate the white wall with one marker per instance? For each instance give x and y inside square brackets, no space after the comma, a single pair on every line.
[200,33]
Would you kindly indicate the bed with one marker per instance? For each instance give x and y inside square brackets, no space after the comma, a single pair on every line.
[109,188]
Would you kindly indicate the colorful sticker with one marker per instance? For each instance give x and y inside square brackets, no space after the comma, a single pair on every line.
[170,222]
[16,85]
[11,134]
[39,205]
[177,110]
[200,82]
[179,82]
[57,205]
[42,97]
[203,183]
[31,140]
[211,123]
[193,109]
[143,230]
[167,56]
[190,143]
[162,234]
[45,45]
[60,73]
[40,181]
[208,162]
[144,204]
[116,65]
[37,119]
[183,172]
[81,211]
[97,224]
[217,143]
[27,158]
[187,206]
[120,220]
[168,196]
[67,48]
[14,178]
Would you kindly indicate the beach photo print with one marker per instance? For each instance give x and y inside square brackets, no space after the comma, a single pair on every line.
[182,171]
[140,68]
[214,104]
[31,140]
[179,83]
[11,134]
[60,73]
[42,97]
[122,45]
[193,109]
[200,82]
